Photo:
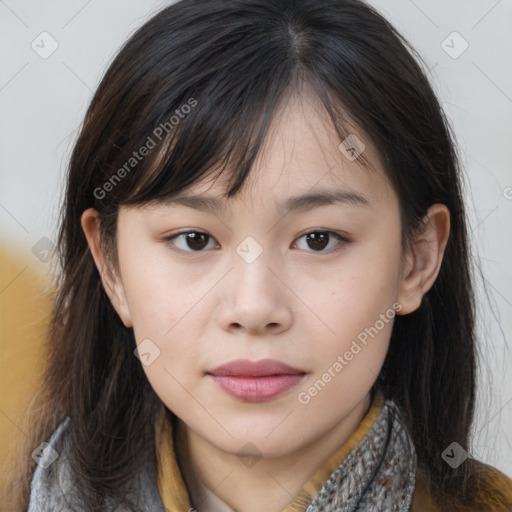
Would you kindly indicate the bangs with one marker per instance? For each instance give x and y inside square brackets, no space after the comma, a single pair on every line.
[205,100]
[222,139]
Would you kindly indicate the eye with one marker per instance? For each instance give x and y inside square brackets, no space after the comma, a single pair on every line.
[196,241]
[318,240]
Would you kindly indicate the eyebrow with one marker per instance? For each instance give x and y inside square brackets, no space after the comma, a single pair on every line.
[302,202]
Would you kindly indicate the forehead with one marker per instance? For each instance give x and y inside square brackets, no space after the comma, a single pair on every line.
[302,153]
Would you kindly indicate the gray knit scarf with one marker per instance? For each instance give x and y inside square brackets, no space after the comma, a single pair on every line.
[378,475]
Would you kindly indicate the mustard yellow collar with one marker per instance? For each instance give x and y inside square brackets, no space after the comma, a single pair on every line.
[173,490]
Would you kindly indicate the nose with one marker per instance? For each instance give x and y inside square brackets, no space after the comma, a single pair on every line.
[255,297]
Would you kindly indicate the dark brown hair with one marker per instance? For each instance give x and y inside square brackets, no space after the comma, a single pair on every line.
[233,62]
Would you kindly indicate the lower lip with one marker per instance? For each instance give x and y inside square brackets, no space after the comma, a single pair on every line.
[257,389]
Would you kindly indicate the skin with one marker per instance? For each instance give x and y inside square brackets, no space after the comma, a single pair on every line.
[293,303]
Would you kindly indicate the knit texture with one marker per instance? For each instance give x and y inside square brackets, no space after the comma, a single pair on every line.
[379,474]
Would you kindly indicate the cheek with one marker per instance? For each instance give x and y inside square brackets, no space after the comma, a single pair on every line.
[157,292]
[356,305]
[166,309]
[163,315]
[348,359]
[166,317]
[360,289]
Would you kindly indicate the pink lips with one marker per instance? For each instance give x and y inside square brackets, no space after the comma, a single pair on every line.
[256,381]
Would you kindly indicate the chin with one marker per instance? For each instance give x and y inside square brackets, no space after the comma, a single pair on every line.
[252,437]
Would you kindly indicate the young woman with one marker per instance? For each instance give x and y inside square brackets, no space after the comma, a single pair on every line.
[266,300]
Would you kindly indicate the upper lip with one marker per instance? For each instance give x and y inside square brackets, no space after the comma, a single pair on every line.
[262,368]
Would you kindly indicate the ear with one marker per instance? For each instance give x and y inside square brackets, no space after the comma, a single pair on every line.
[109,277]
[423,261]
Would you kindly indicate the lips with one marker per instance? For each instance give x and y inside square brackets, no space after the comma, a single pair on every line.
[256,381]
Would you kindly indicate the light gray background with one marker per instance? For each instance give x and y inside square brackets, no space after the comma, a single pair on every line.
[43,101]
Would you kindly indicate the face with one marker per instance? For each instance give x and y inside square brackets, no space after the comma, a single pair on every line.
[309,292]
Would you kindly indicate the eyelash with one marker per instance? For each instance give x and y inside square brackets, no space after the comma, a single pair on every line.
[344,241]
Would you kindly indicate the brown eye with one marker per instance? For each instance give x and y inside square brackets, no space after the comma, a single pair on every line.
[196,241]
[191,241]
[317,241]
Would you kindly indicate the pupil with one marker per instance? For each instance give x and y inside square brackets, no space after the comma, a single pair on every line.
[315,237]
[192,238]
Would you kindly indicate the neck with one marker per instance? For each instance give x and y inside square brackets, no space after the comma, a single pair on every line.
[268,485]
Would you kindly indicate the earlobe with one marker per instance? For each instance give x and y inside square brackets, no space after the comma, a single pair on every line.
[111,282]
[423,262]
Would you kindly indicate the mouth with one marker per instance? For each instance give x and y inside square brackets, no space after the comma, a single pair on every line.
[256,381]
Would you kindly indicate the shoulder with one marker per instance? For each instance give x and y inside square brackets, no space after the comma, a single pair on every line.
[489,490]
[493,488]
[51,483]
[54,487]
